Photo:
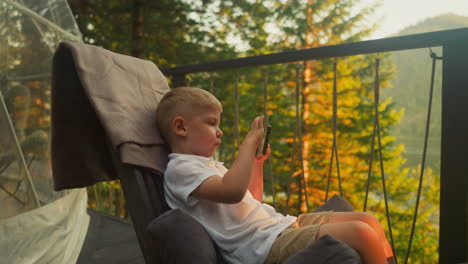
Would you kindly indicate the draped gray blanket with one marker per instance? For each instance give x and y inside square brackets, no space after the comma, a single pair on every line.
[102,99]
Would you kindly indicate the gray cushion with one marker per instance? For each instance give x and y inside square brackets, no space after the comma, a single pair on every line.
[337,204]
[179,238]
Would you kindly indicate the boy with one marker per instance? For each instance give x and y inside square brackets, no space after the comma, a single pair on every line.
[227,203]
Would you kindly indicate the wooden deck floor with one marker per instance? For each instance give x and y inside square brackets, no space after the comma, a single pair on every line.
[109,240]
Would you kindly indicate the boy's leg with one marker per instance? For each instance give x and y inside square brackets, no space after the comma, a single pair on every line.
[290,242]
[359,236]
[295,238]
[338,217]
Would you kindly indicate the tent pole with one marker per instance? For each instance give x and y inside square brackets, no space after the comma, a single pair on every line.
[18,149]
[41,19]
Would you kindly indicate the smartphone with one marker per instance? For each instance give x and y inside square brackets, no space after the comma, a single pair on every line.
[262,148]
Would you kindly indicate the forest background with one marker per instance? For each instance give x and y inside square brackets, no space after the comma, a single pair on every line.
[177,32]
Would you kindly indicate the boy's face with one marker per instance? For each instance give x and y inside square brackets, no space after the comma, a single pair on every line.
[203,133]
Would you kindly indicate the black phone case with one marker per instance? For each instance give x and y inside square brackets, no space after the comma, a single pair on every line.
[262,148]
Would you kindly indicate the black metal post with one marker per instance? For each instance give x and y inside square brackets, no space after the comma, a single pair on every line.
[453,241]
[414,41]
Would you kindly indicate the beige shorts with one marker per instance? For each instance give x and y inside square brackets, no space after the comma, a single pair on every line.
[297,237]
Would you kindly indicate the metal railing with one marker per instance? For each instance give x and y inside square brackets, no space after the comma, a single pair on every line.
[453,239]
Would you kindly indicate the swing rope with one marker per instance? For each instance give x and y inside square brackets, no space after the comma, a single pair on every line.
[423,162]
[212,90]
[265,114]
[334,152]
[236,110]
[293,157]
[295,141]
[301,143]
[379,142]
[372,150]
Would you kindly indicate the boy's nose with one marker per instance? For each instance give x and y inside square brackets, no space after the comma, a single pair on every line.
[219,133]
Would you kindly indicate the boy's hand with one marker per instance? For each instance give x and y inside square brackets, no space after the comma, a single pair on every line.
[263,157]
[255,134]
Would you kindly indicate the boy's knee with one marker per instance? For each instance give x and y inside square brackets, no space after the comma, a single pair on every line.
[368,218]
[358,225]
[364,216]
[362,230]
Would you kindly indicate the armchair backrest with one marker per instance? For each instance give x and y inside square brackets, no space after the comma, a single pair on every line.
[144,196]
[103,128]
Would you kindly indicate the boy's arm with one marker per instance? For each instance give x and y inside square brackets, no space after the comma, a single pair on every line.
[256,180]
[232,187]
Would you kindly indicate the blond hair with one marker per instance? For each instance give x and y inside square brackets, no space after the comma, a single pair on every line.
[185,102]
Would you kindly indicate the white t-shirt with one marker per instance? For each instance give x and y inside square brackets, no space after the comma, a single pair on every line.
[244,231]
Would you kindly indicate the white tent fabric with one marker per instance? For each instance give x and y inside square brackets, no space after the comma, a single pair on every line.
[37,224]
[53,233]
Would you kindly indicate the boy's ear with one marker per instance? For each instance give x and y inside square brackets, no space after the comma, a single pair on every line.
[178,126]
